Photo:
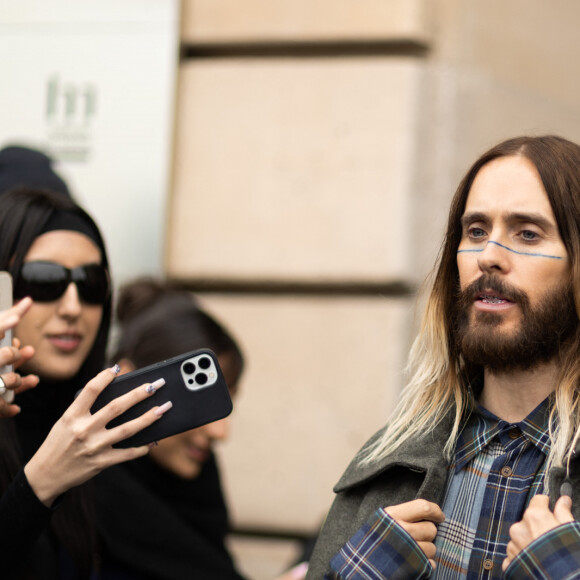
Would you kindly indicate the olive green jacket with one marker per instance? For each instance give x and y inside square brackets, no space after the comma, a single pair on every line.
[417,469]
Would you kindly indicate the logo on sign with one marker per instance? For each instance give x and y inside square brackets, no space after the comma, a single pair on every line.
[71,109]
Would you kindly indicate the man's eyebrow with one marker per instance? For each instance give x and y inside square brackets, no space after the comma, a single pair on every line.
[474,216]
[516,216]
[534,218]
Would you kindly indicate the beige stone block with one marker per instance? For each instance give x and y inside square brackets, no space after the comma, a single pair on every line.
[263,558]
[531,44]
[323,375]
[231,21]
[295,169]
[463,112]
[499,111]
[474,112]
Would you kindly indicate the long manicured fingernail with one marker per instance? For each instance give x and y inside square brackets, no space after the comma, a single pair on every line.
[152,387]
[299,571]
[163,408]
[116,369]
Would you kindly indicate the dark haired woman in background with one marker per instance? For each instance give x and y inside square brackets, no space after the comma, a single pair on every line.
[164,516]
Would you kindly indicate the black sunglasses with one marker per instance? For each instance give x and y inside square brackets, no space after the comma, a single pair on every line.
[47,281]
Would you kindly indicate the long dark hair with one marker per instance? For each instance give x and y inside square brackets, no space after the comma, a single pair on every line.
[23,215]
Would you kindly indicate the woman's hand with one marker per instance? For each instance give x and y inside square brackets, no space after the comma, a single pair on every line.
[14,355]
[79,445]
[296,573]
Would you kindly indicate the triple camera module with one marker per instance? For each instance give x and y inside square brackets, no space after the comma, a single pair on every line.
[199,372]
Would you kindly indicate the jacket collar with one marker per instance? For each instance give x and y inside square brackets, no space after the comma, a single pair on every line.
[425,453]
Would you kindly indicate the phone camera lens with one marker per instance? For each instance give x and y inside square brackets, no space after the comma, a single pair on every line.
[201,378]
[189,368]
[204,363]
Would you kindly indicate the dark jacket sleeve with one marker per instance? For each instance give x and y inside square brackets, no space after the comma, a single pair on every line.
[353,507]
[23,518]
[416,470]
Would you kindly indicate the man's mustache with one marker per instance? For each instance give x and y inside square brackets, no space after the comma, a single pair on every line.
[492,283]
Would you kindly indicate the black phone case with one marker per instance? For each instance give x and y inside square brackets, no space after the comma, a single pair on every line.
[191,408]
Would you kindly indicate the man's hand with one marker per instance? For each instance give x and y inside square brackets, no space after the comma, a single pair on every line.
[537,520]
[418,519]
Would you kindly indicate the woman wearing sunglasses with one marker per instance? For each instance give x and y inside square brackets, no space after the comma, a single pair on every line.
[52,448]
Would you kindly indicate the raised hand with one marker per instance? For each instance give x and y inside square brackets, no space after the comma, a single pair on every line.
[14,355]
[79,445]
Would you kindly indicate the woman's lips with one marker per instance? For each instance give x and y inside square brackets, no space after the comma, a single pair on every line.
[197,453]
[65,342]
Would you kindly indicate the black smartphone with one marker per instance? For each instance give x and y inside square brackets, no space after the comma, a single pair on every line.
[194,383]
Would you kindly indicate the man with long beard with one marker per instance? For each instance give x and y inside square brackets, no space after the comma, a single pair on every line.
[474,475]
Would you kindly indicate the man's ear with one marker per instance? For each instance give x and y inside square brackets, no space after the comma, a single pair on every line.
[126,366]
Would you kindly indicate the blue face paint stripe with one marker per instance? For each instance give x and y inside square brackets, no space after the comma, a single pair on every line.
[535,255]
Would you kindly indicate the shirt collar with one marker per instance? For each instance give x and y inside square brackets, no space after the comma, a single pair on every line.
[481,426]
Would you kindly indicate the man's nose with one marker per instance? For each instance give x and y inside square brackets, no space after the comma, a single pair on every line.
[494,258]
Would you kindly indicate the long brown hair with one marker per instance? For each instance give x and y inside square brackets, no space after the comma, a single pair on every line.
[439,377]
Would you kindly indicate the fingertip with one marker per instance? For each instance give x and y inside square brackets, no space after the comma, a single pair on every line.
[566,488]
[540,498]
[299,571]
[162,409]
[563,508]
[8,411]
[144,449]
[24,304]
[564,501]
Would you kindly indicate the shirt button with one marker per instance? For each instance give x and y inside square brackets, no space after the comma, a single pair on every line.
[506,471]
[487,564]
[513,433]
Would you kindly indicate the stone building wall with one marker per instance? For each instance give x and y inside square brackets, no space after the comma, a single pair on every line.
[317,144]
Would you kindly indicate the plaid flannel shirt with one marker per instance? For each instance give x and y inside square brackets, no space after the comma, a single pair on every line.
[498,468]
